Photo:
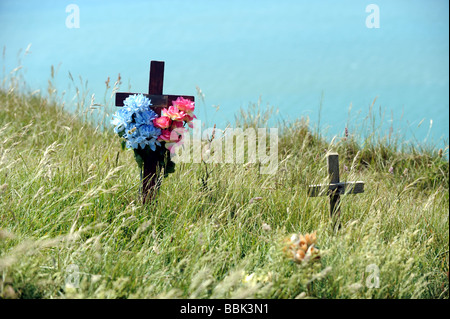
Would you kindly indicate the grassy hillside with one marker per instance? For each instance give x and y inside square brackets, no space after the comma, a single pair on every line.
[70,212]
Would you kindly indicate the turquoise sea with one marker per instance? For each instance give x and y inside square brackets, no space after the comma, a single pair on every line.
[307,58]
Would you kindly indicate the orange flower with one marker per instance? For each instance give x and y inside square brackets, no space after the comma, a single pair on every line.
[300,255]
[303,245]
[301,248]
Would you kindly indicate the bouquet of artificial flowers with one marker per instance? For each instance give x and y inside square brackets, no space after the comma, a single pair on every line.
[148,134]
[301,248]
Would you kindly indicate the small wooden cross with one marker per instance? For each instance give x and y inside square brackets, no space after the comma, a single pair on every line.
[159,101]
[335,188]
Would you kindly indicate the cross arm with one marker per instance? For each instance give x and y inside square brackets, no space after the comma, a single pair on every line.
[336,188]
[157,100]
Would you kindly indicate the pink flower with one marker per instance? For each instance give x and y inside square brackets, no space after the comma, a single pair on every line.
[165,136]
[173,113]
[175,135]
[190,124]
[177,124]
[184,105]
[188,118]
[162,122]
[172,138]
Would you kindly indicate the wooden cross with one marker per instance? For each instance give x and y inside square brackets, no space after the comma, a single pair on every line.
[159,101]
[335,188]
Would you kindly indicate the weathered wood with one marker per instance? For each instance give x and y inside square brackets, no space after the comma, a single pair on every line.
[333,173]
[150,179]
[158,101]
[155,84]
[343,188]
[333,167]
[335,188]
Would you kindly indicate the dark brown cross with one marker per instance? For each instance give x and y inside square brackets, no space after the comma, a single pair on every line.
[159,101]
[335,188]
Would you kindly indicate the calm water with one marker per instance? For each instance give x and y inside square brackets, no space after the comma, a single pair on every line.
[295,55]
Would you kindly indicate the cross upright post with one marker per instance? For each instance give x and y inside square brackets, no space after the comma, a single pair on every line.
[150,177]
[335,188]
[333,173]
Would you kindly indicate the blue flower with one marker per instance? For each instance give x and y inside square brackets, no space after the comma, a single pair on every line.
[136,103]
[150,134]
[121,120]
[131,133]
[134,122]
[149,131]
[133,137]
[145,117]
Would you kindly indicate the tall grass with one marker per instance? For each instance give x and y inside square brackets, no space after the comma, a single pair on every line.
[69,197]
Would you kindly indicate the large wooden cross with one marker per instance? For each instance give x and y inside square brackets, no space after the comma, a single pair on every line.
[335,188]
[159,101]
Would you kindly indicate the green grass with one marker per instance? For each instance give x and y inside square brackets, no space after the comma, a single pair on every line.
[69,195]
